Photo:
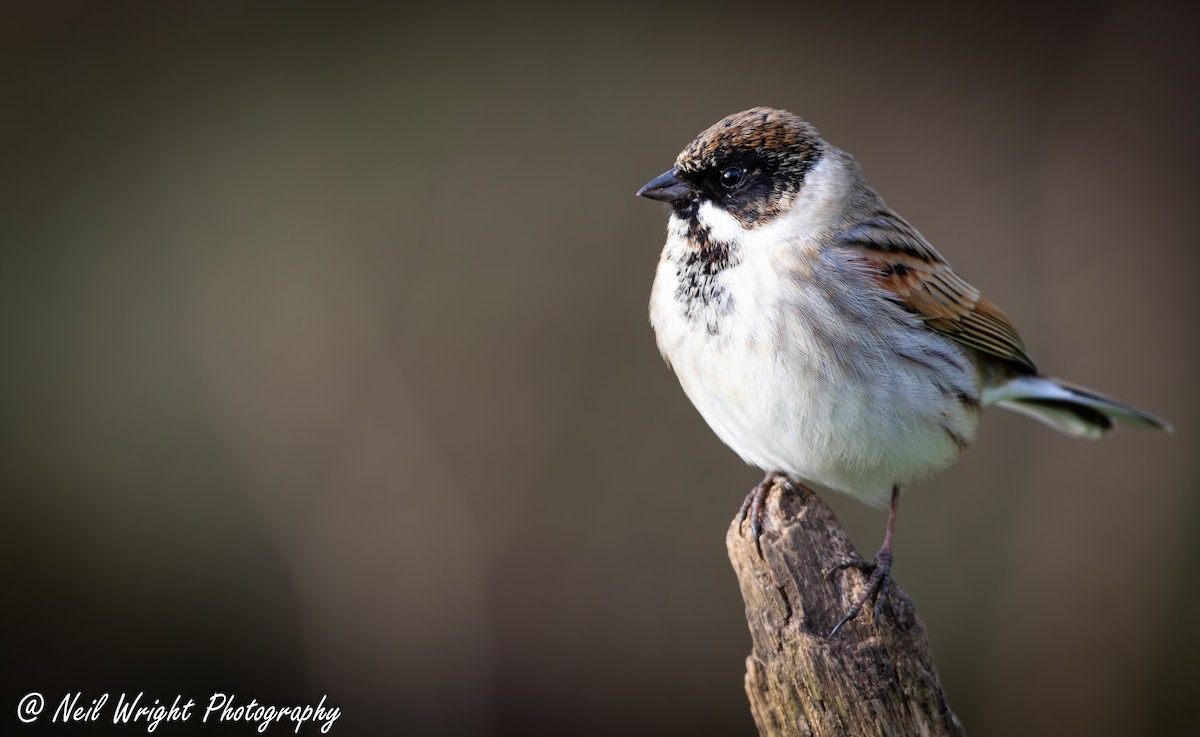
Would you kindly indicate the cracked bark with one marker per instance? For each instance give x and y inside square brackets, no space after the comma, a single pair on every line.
[873,679]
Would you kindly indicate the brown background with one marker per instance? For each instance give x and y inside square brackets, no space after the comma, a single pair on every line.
[327,369]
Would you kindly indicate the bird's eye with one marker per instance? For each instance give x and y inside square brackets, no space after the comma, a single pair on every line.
[732,178]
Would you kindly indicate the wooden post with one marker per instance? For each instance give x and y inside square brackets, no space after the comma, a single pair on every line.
[869,680]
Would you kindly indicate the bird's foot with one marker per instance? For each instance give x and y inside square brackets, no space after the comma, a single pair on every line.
[877,584]
[752,507]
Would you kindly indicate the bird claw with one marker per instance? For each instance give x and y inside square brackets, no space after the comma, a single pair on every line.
[862,565]
[752,506]
[876,589]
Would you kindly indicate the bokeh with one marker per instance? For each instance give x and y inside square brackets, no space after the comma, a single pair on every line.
[326,366]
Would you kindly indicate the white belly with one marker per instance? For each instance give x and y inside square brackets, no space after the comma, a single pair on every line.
[791,384]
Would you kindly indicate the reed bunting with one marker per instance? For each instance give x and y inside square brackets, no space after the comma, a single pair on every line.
[821,336]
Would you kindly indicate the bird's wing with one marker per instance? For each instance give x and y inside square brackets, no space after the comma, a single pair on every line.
[917,277]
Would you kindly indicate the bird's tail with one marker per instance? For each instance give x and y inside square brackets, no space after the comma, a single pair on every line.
[1066,407]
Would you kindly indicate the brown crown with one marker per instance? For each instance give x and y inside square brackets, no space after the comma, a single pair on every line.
[763,130]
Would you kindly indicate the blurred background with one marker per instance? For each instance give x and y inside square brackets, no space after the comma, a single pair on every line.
[326,366]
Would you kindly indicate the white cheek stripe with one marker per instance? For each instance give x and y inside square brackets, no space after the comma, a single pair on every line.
[721,226]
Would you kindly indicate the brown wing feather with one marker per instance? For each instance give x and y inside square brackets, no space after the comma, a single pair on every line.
[904,264]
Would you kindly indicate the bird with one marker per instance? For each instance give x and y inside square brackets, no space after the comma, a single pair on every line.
[821,336]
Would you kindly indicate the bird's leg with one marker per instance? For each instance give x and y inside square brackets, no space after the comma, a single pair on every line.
[752,507]
[880,567]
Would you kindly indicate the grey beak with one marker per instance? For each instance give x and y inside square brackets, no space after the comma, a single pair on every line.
[667,187]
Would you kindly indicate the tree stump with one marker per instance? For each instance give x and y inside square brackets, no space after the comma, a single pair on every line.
[872,679]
